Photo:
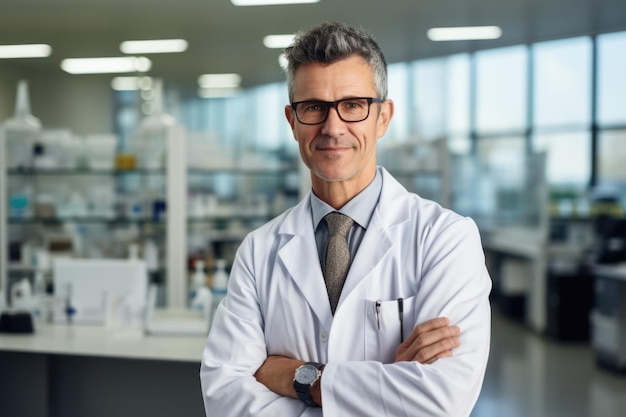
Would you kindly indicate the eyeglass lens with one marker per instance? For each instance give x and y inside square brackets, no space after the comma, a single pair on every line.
[349,110]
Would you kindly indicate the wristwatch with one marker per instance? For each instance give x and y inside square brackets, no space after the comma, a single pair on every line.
[306,375]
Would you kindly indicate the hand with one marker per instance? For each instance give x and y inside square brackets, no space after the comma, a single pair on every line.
[429,341]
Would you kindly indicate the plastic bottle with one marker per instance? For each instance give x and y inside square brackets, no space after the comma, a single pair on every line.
[40,304]
[22,295]
[197,278]
[149,143]
[201,296]
[22,131]
[133,251]
[151,255]
[220,283]
[40,310]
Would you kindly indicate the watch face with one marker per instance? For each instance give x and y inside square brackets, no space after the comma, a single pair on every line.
[306,374]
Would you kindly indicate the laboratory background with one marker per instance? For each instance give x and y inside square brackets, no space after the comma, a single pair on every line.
[141,140]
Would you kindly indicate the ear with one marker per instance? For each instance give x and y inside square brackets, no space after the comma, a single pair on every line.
[291,117]
[384,117]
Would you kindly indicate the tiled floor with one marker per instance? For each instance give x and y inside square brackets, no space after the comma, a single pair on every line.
[531,376]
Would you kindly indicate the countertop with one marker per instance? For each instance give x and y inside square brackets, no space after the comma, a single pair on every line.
[95,340]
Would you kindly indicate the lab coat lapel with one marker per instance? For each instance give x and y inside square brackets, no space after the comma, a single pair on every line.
[301,260]
[392,211]
[374,247]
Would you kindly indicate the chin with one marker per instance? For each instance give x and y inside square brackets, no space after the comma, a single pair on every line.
[333,175]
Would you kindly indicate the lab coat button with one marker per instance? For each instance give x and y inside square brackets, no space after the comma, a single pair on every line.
[324,336]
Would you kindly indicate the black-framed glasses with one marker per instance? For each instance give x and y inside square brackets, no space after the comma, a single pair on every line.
[314,112]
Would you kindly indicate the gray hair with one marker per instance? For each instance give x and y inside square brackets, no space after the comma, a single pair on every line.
[329,42]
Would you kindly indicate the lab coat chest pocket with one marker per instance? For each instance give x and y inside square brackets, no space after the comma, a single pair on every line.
[386,327]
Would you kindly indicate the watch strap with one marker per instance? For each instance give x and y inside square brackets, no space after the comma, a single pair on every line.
[304,390]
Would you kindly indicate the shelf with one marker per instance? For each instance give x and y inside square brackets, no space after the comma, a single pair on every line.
[242,171]
[87,219]
[106,220]
[82,172]
[155,171]
[414,172]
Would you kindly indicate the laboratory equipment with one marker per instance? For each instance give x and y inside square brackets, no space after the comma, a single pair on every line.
[198,279]
[41,301]
[220,283]
[103,291]
[178,321]
[18,136]
[22,295]
[22,132]
[149,143]
[160,145]
[609,316]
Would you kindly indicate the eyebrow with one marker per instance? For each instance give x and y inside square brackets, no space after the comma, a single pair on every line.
[332,101]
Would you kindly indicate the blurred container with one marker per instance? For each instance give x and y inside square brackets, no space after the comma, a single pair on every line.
[149,142]
[53,150]
[125,161]
[100,151]
[45,206]
[22,131]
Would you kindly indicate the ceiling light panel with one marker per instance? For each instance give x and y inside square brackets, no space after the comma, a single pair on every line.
[278,41]
[131,83]
[106,65]
[219,81]
[464,33]
[270,2]
[25,51]
[218,92]
[157,46]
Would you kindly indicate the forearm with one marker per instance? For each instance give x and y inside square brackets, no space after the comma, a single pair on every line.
[230,388]
[230,395]
[444,389]
[277,374]
[427,343]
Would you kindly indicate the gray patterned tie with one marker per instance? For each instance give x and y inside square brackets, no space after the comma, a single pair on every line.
[337,260]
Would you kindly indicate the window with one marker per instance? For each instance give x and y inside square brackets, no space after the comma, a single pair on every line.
[568,158]
[562,82]
[501,87]
[398,80]
[611,155]
[428,98]
[457,102]
[270,126]
[612,78]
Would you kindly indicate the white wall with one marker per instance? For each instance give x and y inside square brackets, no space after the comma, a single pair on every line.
[83,104]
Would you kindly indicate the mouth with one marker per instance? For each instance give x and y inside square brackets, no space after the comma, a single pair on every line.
[332,147]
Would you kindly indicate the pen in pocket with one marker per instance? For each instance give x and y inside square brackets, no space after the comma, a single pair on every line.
[401,317]
[377,312]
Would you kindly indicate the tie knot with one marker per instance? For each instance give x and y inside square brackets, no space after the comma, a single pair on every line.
[338,223]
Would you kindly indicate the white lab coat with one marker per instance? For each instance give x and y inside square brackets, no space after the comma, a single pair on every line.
[277,304]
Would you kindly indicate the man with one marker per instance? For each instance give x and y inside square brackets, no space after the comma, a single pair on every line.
[405,331]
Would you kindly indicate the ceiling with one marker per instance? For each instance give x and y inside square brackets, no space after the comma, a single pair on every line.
[225,38]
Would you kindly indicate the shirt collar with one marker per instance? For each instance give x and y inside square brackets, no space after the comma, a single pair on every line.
[360,208]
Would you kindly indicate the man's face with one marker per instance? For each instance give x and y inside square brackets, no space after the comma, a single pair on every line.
[336,150]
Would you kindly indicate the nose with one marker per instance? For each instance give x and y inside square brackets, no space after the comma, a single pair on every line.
[333,125]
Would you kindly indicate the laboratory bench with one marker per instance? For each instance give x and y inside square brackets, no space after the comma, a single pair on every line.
[609,316]
[67,370]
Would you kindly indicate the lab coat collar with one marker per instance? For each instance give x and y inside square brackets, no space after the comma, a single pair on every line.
[392,210]
[305,270]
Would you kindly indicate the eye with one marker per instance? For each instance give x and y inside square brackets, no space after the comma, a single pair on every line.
[312,107]
[353,105]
